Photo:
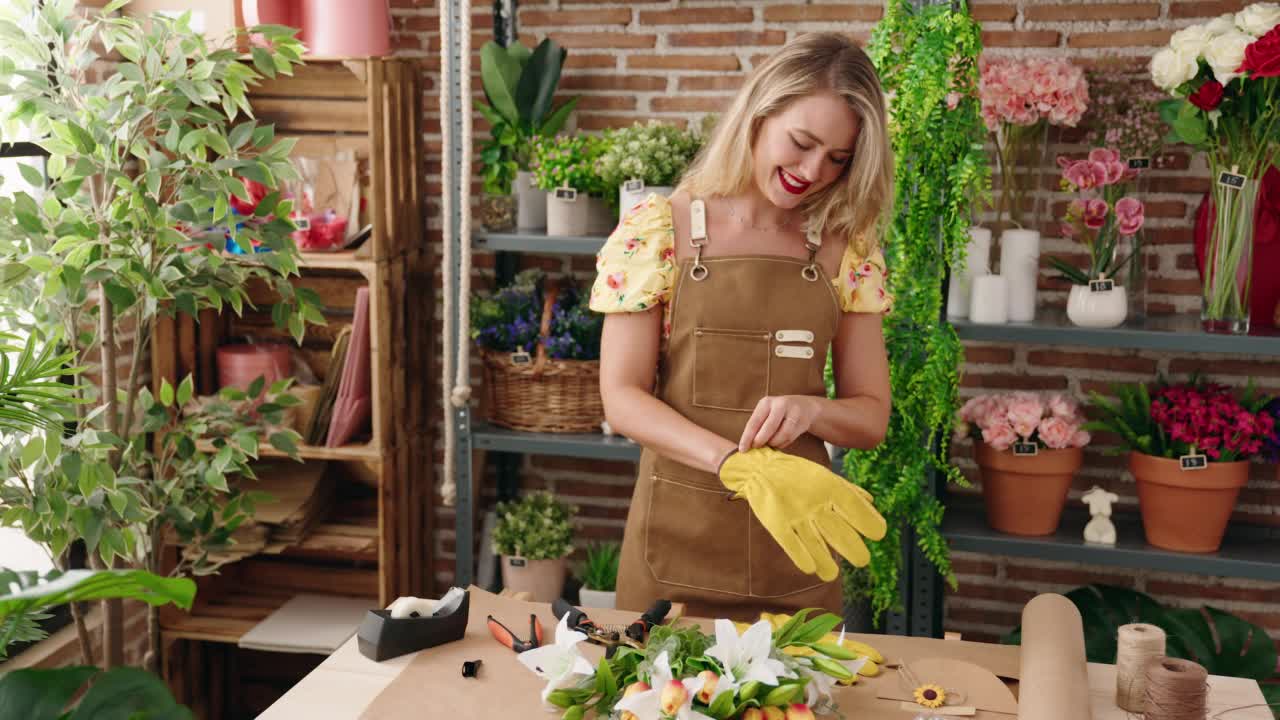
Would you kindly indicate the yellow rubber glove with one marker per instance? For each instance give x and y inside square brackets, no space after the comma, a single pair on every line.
[805,507]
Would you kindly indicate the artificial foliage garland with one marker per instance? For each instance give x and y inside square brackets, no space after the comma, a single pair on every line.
[928,64]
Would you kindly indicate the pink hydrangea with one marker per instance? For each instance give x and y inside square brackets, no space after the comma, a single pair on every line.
[1024,91]
[1001,419]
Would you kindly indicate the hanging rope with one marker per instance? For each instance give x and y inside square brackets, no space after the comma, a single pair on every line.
[456,377]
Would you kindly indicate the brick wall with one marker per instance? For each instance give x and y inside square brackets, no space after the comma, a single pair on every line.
[679,60]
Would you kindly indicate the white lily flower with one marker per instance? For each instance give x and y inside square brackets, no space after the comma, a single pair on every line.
[647,705]
[746,658]
[560,664]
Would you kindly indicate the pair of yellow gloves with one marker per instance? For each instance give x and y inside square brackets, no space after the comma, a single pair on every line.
[805,507]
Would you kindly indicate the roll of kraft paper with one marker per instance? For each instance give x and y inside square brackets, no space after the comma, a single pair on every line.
[1054,681]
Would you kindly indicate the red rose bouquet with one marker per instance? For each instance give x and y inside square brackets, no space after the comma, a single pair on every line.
[1226,101]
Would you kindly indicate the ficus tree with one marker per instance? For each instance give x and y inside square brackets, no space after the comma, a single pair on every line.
[150,136]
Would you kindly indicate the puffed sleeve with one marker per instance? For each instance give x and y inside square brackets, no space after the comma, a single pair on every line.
[636,266]
[861,282]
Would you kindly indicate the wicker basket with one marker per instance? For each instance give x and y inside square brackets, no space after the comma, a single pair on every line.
[538,394]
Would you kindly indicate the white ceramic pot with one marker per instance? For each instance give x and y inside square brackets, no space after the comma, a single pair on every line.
[1090,309]
[604,599]
[628,200]
[568,217]
[531,203]
[601,218]
[543,579]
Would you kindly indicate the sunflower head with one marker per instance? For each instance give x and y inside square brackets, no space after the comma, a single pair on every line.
[930,696]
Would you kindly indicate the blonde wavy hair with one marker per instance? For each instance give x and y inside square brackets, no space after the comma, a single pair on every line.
[857,204]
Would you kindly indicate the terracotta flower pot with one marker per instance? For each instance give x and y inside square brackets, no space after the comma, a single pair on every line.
[543,579]
[1186,510]
[1025,494]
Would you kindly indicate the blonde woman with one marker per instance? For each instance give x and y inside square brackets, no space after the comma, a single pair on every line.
[722,302]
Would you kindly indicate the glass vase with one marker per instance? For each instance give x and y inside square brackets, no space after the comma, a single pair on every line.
[1133,276]
[1021,151]
[1228,259]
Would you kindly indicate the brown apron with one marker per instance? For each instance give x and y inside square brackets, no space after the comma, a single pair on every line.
[751,326]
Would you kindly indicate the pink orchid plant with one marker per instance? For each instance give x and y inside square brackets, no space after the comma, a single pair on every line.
[1020,96]
[1051,421]
[1101,216]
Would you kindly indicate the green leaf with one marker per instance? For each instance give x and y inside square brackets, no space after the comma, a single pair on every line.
[39,694]
[749,690]
[166,393]
[185,390]
[284,442]
[113,6]
[216,480]
[53,589]
[500,74]
[722,707]
[606,683]
[263,62]
[816,629]
[33,176]
[560,698]
[126,693]
[32,451]
[574,713]
[783,636]
[538,83]
[121,297]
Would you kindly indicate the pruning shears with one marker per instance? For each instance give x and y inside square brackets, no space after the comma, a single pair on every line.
[503,634]
[634,636]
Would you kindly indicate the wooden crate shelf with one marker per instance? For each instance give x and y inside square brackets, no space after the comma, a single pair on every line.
[371,107]
[356,452]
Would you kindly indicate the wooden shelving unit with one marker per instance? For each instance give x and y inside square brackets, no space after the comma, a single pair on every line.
[382,550]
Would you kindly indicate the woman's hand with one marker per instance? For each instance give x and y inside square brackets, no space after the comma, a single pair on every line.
[778,421]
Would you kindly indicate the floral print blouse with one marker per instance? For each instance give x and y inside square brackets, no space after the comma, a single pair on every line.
[636,268]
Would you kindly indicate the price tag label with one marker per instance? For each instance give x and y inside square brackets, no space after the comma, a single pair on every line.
[1139,163]
[1099,286]
[567,194]
[521,357]
[1026,449]
[1231,180]
[302,222]
[1193,462]
[635,185]
[516,562]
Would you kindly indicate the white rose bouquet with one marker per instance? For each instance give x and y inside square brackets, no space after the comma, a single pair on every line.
[1223,76]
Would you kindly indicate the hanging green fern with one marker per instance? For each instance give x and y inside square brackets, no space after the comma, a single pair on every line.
[927,59]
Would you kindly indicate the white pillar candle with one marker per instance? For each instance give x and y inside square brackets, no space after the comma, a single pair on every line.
[979,252]
[1020,265]
[977,259]
[989,300]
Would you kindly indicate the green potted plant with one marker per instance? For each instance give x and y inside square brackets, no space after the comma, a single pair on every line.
[644,158]
[534,536]
[143,165]
[519,86]
[565,167]
[599,575]
[1189,448]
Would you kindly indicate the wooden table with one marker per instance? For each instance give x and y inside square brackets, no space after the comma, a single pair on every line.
[346,683]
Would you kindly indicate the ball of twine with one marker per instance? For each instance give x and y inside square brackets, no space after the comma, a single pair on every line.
[1176,690]
[1136,646]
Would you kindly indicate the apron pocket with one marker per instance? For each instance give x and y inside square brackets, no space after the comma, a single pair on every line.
[730,368]
[694,537]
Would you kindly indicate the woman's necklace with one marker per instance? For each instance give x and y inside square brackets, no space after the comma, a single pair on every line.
[742,220]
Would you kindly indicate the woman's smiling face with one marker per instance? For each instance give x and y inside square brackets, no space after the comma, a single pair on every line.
[804,148]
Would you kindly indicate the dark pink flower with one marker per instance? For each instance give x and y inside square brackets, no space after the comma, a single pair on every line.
[1129,215]
[1095,213]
